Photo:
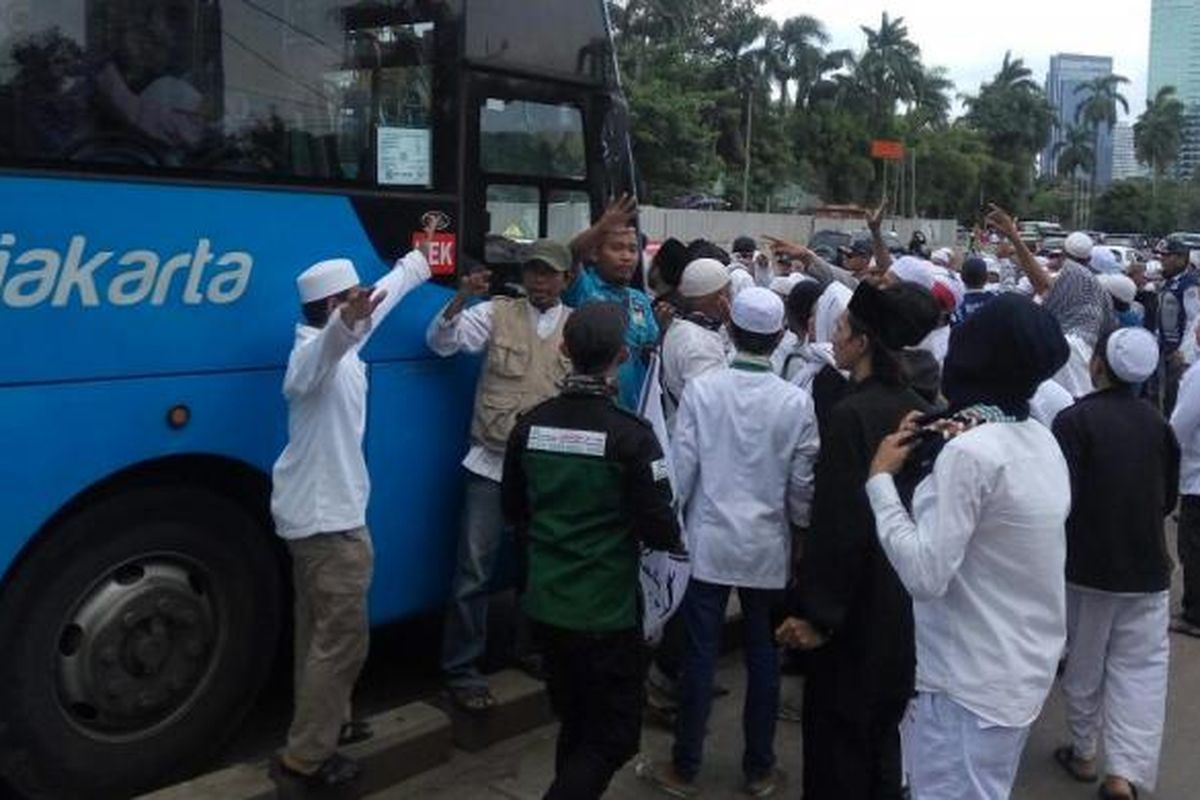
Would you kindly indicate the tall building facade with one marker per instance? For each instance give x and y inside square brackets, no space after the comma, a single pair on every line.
[1175,61]
[1068,72]
[1125,163]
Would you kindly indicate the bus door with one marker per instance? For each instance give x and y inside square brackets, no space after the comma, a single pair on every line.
[534,149]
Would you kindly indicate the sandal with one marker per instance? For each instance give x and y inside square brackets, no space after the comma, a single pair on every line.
[1104,793]
[337,770]
[354,731]
[472,699]
[1066,758]
[1182,624]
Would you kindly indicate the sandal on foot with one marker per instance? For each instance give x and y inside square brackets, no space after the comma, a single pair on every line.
[1105,793]
[337,770]
[472,699]
[1076,767]
[1182,624]
[354,731]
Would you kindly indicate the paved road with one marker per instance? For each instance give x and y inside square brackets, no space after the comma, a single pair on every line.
[521,768]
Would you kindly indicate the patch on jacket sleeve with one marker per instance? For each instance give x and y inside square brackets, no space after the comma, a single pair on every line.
[659,470]
[567,440]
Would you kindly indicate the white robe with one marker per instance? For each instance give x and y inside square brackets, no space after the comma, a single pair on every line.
[1115,682]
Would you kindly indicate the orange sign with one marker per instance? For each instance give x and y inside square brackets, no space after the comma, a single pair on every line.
[441,252]
[887,149]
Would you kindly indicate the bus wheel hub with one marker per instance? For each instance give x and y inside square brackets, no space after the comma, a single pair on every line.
[135,647]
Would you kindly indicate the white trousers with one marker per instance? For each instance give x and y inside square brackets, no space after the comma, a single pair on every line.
[952,754]
[1115,683]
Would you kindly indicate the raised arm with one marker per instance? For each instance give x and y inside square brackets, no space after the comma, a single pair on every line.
[313,361]
[874,219]
[617,216]
[813,265]
[406,274]
[1039,276]
[454,329]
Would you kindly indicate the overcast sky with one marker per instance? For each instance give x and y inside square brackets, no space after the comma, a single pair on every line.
[970,38]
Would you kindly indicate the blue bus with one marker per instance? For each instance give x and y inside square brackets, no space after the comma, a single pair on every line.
[167,167]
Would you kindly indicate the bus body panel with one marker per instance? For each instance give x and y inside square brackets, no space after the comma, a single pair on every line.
[415,438]
[104,279]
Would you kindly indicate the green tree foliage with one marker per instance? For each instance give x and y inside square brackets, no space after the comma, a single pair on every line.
[1158,132]
[702,74]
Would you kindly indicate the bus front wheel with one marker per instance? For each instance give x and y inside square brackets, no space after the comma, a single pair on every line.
[135,638]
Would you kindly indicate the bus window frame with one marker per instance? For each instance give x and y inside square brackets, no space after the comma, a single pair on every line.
[444,150]
[482,85]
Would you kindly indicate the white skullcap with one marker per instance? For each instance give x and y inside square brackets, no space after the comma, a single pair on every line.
[1132,354]
[830,305]
[326,278]
[758,310]
[783,284]
[1079,245]
[942,256]
[913,270]
[1119,286]
[952,281]
[1104,260]
[704,276]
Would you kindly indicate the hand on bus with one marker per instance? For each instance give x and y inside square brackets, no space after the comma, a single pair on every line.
[475,284]
[361,305]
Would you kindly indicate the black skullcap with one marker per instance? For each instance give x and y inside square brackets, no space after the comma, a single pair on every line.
[594,335]
[974,272]
[670,261]
[702,248]
[744,244]
[801,299]
[1001,353]
[899,316]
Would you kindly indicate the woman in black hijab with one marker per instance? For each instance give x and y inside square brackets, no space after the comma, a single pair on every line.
[849,608]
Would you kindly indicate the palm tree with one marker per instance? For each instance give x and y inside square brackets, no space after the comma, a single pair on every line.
[889,71]
[931,99]
[1074,151]
[1158,132]
[1099,108]
[1014,75]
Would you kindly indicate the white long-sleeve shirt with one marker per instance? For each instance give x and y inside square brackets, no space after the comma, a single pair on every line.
[744,447]
[688,350]
[1185,420]
[984,562]
[320,482]
[470,331]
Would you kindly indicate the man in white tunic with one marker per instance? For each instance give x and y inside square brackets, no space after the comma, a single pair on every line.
[319,503]
[1118,570]
[694,343]
[524,365]
[981,552]
[744,449]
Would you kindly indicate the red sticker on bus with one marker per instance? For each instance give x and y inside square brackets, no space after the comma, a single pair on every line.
[441,252]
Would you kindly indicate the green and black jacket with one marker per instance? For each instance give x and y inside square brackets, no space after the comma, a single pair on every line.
[585,485]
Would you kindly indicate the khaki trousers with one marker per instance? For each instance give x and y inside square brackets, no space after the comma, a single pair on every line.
[331,573]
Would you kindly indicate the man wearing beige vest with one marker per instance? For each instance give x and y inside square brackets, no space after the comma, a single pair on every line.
[524,365]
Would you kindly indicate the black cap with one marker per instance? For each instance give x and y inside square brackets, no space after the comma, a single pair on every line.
[670,259]
[744,244]
[861,247]
[900,315]
[1173,247]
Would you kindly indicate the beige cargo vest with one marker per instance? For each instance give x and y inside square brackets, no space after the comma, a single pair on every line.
[520,371]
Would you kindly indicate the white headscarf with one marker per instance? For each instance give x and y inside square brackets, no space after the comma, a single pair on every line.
[830,305]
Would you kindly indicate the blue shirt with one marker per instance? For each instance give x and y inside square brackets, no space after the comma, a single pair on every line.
[641,332]
[972,301]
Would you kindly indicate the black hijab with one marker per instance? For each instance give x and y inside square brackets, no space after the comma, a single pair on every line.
[1000,354]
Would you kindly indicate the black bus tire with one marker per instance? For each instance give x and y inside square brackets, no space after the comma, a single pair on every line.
[135,638]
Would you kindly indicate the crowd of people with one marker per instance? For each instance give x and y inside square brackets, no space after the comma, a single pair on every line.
[913,468]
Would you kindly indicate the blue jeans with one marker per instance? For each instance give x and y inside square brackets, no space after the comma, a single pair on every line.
[480,538]
[703,616]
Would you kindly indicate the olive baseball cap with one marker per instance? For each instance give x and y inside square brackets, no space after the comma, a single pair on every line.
[553,254]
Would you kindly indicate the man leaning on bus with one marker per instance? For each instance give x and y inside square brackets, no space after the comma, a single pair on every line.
[319,502]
